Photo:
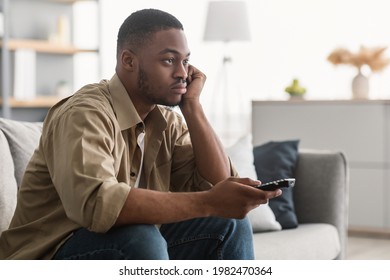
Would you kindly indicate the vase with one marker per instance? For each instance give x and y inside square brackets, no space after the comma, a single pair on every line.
[360,86]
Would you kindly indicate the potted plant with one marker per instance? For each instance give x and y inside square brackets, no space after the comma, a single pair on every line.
[295,90]
[371,57]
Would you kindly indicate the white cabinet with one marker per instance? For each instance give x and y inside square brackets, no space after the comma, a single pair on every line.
[359,128]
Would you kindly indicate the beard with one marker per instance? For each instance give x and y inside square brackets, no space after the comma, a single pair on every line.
[149,93]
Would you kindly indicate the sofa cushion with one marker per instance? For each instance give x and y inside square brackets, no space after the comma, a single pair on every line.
[262,218]
[23,138]
[273,161]
[8,187]
[306,242]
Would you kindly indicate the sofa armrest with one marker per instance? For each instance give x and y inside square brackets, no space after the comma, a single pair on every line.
[321,192]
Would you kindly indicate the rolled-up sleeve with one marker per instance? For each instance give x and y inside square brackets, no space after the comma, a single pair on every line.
[81,155]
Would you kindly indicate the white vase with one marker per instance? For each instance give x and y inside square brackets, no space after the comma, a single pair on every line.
[360,86]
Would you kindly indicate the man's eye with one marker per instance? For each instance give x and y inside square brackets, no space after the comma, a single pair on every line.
[169,60]
[186,62]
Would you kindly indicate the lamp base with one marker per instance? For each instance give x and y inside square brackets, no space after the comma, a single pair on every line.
[227,59]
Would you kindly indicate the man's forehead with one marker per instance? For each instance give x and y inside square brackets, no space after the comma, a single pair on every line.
[174,51]
[170,41]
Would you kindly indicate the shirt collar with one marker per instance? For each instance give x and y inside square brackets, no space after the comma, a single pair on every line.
[125,111]
[123,106]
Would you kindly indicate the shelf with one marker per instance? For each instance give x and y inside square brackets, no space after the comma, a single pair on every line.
[44,46]
[54,57]
[39,102]
[65,1]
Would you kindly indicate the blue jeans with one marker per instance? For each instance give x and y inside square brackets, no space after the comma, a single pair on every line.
[197,239]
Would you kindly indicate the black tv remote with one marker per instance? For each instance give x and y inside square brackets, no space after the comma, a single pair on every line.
[278,184]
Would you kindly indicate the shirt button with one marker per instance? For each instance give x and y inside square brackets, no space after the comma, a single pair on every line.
[132,174]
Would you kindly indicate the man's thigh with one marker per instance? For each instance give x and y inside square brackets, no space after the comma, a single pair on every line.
[136,242]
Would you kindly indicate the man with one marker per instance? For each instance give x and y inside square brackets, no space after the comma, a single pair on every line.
[117,175]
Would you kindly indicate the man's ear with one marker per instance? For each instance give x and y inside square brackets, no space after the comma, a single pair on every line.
[128,60]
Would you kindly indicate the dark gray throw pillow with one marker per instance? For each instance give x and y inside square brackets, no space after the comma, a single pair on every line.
[273,161]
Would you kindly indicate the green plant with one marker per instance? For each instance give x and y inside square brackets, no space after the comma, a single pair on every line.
[295,89]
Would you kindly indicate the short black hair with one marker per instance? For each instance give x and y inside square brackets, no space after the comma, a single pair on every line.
[137,28]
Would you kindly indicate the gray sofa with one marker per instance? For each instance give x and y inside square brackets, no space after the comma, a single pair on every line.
[320,197]
[321,206]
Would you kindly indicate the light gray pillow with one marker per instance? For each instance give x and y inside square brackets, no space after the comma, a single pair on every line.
[8,187]
[23,138]
[262,218]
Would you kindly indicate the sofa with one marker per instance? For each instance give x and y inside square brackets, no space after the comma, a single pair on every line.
[321,207]
[320,198]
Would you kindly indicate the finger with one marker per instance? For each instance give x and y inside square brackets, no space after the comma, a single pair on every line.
[194,72]
[273,194]
[192,69]
[189,74]
[246,181]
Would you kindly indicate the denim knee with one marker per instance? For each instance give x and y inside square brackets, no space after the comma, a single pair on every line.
[244,227]
[238,241]
[209,238]
[144,242]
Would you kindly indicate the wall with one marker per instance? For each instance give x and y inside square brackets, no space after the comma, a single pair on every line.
[290,39]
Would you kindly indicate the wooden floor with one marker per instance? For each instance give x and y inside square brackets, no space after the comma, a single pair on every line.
[368,248]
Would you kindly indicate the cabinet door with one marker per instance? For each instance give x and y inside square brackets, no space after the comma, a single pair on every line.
[366,198]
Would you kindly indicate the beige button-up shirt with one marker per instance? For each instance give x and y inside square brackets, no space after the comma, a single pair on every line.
[83,168]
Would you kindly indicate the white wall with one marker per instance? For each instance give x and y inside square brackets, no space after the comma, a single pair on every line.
[290,39]
[293,39]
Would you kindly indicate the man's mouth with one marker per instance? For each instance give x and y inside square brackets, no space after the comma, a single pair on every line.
[180,88]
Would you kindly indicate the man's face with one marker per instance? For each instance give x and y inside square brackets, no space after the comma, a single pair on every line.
[163,68]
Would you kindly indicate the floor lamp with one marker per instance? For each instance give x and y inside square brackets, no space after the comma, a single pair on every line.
[227,21]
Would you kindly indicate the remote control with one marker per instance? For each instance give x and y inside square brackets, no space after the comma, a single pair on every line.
[278,184]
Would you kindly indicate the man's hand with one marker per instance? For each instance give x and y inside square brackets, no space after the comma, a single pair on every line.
[210,157]
[195,83]
[230,198]
[235,197]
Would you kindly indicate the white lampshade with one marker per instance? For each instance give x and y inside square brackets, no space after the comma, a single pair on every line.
[227,21]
